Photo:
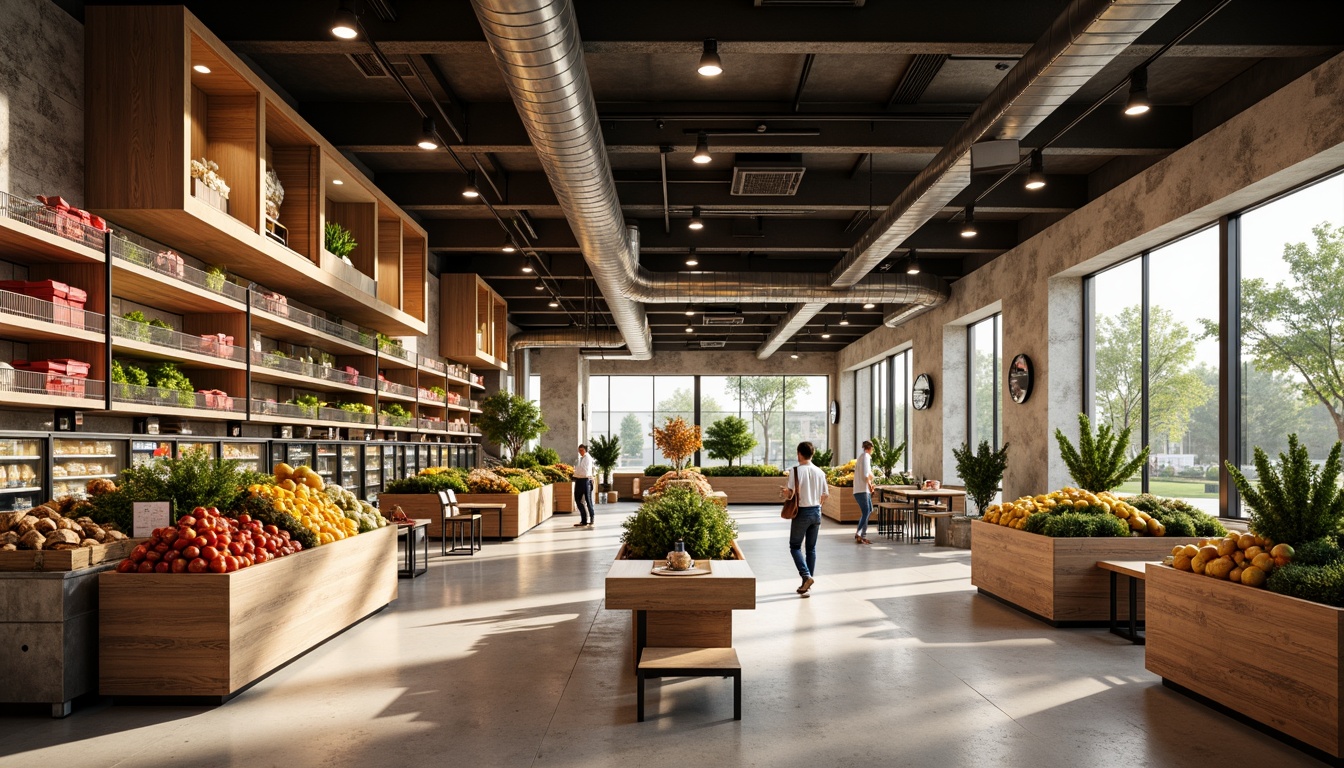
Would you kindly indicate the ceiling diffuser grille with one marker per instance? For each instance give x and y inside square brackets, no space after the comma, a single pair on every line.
[723,319]
[370,67]
[766,182]
[713,343]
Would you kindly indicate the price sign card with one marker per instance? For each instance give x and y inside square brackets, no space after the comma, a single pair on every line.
[149,515]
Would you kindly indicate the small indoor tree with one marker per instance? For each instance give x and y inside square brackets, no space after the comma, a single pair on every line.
[981,471]
[886,457]
[729,438]
[1098,463]
[606,453]
[510,421]
[677,441]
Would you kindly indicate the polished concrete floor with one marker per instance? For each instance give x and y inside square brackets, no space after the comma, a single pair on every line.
[509,659]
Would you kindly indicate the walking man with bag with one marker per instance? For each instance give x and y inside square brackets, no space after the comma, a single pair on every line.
[863,491]
[584,469]
[806,487]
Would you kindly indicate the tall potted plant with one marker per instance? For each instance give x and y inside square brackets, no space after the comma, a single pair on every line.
[510,421]
[982,472]
[886,457]
[606,453]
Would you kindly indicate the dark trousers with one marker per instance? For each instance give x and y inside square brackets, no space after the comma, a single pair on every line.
[583,499]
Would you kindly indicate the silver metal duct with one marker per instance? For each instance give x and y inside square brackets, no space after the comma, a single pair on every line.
[1087,36]
[566,337]
[536,45]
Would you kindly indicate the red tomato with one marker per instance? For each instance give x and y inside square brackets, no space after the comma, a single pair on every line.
[209,553]
[230,564]
[186,532]
[181,544]
[236,548]
[249,548]
[126,566]
[271,529]
[139,552]
[200,540]
[223,540]
[284,535]
[186,521]
[211,539]
[170,535]
[179,565]
[272,546]
[244,519]
[261,556]
[197,565]
[191,552]
[161,548]
[145,567]
[163,566]
[217,564]
[153,556]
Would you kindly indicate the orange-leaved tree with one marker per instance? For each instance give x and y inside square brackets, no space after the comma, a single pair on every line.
[678,441]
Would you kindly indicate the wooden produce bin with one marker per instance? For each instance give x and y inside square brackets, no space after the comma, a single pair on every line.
[49,635]
[212,635]
[840,506]
[751,490]
[563,496]
[1267,657]
[417,506]
[1057,580]
[66,559]
[522,511]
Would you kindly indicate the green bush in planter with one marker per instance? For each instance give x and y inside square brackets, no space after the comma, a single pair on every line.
[546,456]
[679,513]
[743,470]
[658,470]
[453,480]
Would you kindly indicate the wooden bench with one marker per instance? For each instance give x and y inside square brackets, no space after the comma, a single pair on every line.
[691,662]
[1136,570]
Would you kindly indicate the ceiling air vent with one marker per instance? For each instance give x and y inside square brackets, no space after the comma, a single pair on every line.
[723,318]
[369,66]
[713,343]
[767,175]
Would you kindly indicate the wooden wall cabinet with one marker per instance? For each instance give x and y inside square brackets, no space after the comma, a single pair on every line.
[473,326]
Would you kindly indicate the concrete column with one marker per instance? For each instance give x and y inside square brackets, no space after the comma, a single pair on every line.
[563,384]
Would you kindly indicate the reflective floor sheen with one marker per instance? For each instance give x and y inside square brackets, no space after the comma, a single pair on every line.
[508,659]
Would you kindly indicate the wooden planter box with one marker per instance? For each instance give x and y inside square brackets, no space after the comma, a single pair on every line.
[1057,580]
[522,512]
[623,483]
[49,636]
[750,490]
[66,559]
[564,497]
[1267,657]
[417,506]
[840,505]
[212,635]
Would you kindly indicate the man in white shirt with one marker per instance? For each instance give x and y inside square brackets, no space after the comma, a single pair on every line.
[584,471]
[810,488]
[863,491]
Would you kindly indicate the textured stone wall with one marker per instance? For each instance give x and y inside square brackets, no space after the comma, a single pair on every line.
[1290,137]
[562,387]
[41,101]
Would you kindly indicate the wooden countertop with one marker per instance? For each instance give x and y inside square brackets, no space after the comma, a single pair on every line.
[730,585]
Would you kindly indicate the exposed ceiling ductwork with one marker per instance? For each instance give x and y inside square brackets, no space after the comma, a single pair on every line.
[594,338]
[1087,36]
[536,45]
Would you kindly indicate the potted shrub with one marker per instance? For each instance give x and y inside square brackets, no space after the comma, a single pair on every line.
[678,441]
[606,452]
[679,514]
[982,473]
[1098,463]
[339,241]
[510,421]
[214,279]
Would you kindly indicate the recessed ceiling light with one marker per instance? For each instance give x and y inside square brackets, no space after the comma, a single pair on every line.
[204,70]
[428,140]
[337,182]
[710,64]
[344,24]
[1036,176]
[702,155]
[1137,103]
[696,222]
[869,305]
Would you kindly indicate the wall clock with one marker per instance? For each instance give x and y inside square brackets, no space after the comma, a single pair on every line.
[1020,379]
[921,397]
[835,411]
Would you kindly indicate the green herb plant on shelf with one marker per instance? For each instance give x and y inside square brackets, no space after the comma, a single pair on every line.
[128,380]
[440,391]
[309,403]
[679,514]
[214,279]
[355,407]
[339,241]
[397,416]
[142,328]
[173,384]
[1098,463]
[981,471]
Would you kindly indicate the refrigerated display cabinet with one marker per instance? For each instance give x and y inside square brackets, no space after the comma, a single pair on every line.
[373,472]
[248,455]
[186,446]
[391,459]
[350,467]
[327,458]
[75,462]
[22,473]
[145,451]
[294,454]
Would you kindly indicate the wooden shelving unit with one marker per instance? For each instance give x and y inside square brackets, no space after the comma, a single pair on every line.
[474,325]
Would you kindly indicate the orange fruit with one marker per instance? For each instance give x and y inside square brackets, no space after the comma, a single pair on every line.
[1238,557]
[1264,562]
[1252,551]
[1199,563]
[1220,568]
[1209,552]
[1282,551]
[1253,577]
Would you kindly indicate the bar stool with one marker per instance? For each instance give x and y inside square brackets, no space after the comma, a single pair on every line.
[452,516]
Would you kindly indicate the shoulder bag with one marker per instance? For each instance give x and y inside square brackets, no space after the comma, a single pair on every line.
[790,509]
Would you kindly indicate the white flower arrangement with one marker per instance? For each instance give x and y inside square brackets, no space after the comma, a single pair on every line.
[208,172]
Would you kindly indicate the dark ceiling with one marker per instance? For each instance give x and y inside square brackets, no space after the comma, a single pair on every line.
[874,90]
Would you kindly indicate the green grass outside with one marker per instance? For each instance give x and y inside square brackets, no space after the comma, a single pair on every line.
[1175,487]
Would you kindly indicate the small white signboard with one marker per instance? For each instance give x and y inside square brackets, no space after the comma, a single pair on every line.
[149,515]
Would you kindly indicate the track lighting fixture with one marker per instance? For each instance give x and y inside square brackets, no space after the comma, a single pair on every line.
[825,331]
[540,286]
[1137,103]
[344,23]
[710,64]
[844,318]
[702,155]
[428,135]
[912,263]
[509,247]
[689,329]
[869,305]
[696,222]
[554,303]
[1036,176]
[691,260]
[968,229]
[470,190]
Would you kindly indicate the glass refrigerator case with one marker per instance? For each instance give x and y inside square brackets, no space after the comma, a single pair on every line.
[75,462]
[373,472]
[248,455]
[22,473]
[328,454]
[185,447]
[391,459]
[145,451]
[350,468]
[293,454]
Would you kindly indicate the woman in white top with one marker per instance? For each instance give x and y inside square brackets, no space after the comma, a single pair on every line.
[863,491]
[811,491]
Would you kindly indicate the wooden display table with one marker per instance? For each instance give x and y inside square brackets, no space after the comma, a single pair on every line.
[522,511]
[1134,571]
[212,635]
[1266,657]
[1057,580]
[681,611]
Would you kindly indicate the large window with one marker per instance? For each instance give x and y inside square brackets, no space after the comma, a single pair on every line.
[984,372]
[882,397]
[780,410]
[1153,364]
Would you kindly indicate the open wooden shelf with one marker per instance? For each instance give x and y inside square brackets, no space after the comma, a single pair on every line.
[473,326]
